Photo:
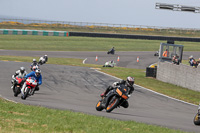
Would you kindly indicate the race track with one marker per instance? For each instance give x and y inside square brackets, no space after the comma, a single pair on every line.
[78,89]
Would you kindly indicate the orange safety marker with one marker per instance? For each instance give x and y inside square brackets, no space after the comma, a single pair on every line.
[138,59]
[96,58]
[118,58]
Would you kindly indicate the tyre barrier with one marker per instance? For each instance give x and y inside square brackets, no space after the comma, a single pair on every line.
[33,32]
[86,34]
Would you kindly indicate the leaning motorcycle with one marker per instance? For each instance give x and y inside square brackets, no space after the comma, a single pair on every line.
[18,85]
[197,117]
[33,68]
[111,52]
[41,61]
[113,99]
[29,89]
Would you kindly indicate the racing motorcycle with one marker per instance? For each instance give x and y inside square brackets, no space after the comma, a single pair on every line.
[197,117]
[113,99]
[112,51]
[18,85]
[109,64]
[41,61]
[29,89]
[33,68]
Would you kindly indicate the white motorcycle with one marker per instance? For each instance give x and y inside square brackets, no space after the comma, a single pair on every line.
[41,61]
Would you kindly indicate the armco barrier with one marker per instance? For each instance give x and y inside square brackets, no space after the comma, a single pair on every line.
[84,34]
[33,32]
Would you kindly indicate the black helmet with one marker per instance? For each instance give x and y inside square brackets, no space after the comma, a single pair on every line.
[22,69]
[130,81]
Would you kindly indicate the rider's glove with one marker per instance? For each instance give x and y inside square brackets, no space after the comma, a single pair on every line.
[115,84]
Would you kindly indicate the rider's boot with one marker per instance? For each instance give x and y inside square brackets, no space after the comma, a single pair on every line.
[103,94]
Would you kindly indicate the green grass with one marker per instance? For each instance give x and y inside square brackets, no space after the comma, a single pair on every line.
[53,43]
[24,118]
[19,118]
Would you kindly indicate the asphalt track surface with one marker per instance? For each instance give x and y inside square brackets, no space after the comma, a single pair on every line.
[126,59]
[78,89]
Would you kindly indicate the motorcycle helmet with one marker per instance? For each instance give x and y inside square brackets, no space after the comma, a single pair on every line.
[37,72]
[45,55]
[22,69]
[35,68]
[34,60]
[130,81]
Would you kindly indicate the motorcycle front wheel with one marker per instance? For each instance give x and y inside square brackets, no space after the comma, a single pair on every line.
[25,93]
[98,106]
[196,119]
[114,101]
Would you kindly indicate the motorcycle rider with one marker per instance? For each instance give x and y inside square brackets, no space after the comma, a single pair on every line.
[34,63]
[43,59]
[129,82]
[21,72]
[112,51]
[37,75]
[109,64]
[35,68]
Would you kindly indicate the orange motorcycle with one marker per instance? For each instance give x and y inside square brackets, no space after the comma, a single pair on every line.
[197,117]
[113,99]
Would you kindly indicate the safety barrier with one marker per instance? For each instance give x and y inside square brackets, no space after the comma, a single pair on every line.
[33,32]
[85,34]
[180,75]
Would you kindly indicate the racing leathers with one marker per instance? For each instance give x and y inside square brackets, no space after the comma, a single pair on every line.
[17,73]
[43,59]
[38,79]
[116,84]
[34,64]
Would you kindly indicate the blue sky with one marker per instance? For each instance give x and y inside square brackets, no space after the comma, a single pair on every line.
[134,12]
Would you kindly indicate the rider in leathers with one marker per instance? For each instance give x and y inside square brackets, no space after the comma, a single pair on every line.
[43,59]
[37,75]
[21,72]
[129,82]
[34,63]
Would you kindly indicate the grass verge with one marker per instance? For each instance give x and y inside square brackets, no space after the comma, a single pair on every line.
[19,118]
[53,43]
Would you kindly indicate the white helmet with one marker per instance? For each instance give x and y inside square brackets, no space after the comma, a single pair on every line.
[34,60]
[22,69]
[130,81]
[37,72]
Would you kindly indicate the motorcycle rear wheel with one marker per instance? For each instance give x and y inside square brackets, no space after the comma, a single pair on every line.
[112,104]
[196,119]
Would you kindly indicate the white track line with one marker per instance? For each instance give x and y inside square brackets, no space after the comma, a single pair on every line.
[151,90]
[84,60]
[8,99]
